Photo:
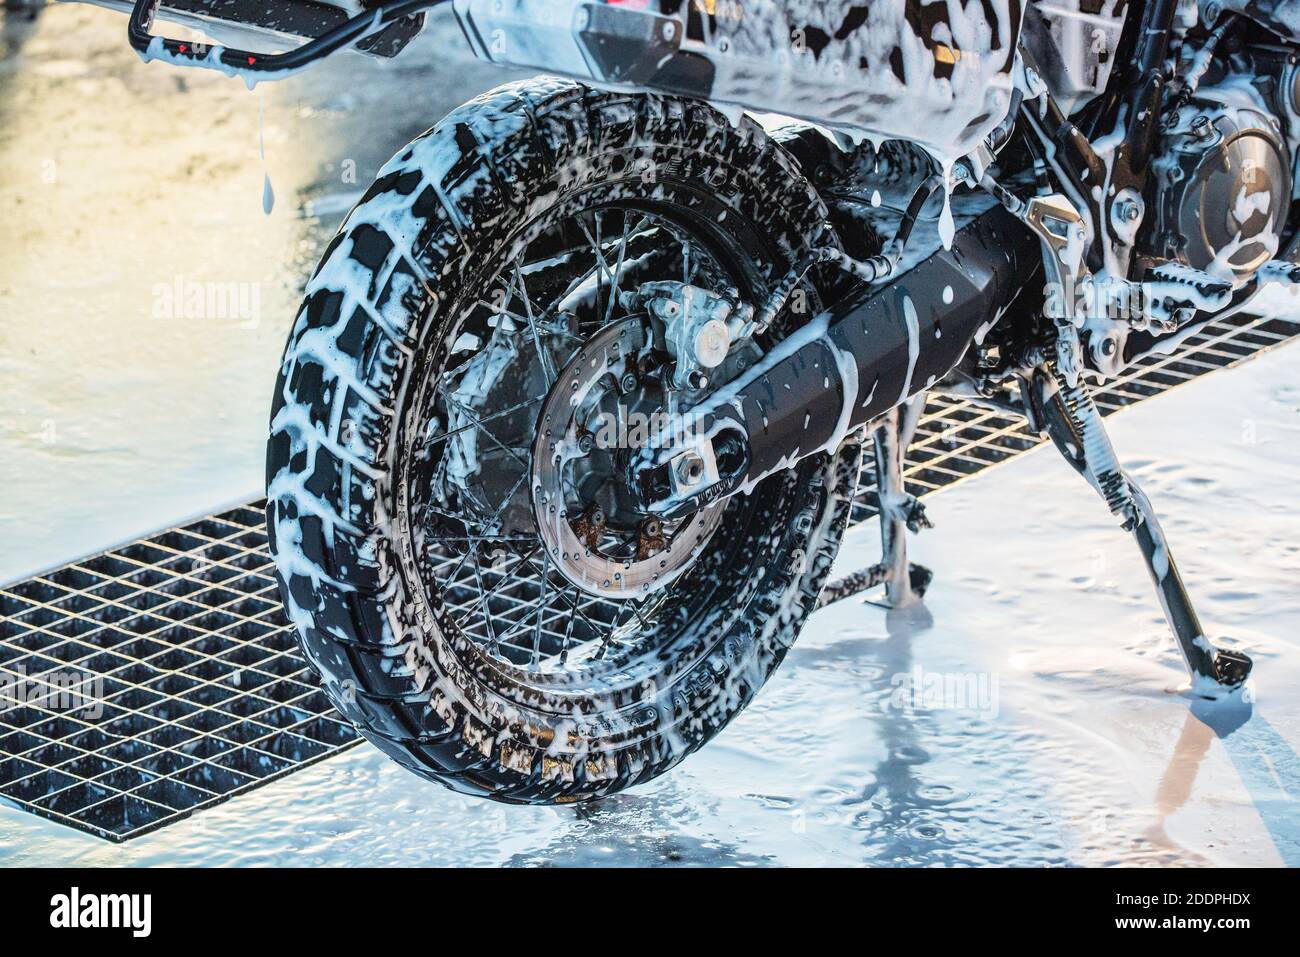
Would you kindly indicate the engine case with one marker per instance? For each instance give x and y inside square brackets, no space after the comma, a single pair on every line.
[1223,187]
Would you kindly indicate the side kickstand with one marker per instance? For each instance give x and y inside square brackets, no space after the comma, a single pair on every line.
[1066,412]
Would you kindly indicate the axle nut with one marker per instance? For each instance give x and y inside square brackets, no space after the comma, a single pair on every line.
[690,469]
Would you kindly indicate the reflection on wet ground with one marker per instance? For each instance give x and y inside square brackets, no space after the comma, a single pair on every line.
[1266,762]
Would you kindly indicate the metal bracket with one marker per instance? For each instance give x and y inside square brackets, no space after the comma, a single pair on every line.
[900,512]
[1061,230]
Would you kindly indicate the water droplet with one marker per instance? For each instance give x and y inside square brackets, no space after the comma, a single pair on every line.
[268,194]
[946,228]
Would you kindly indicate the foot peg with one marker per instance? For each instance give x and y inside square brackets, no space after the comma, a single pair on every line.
[919,578]
[913,514]
[908,509]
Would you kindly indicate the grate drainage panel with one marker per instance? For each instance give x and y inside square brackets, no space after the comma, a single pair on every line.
[161,677]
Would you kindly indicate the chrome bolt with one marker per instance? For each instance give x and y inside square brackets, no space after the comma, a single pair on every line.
[1126,209]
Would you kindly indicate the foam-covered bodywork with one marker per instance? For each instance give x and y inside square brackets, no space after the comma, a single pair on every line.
[939,74]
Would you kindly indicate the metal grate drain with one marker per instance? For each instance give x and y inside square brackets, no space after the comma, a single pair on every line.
[160,678]
[154,680]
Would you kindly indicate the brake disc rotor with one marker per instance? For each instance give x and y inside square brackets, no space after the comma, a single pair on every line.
[586,516]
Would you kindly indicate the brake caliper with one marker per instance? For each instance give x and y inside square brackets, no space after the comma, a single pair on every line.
[696,326]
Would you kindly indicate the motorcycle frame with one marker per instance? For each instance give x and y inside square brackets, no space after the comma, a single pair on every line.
[1149,26]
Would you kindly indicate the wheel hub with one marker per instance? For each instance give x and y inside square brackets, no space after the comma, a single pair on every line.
[605,404]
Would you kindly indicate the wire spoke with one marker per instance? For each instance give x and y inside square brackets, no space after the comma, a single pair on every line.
[479,539]
[595,268]
[573,287]
[546,588]
[526,617]
[576,608]
[496,517]
[690,265]
[478,424]
[485,602]
[548,327]
[568,638]
[548,372]
[596,248]
[476,421]
[508,576]
[618,270]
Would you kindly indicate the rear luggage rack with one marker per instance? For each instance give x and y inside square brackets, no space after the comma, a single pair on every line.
[382,30]
[618,44]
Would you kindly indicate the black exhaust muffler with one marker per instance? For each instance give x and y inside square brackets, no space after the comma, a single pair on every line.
[867,353]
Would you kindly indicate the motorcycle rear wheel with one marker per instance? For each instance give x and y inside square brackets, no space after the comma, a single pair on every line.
[402,546]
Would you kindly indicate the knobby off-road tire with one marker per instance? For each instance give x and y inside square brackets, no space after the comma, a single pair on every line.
[378,313]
